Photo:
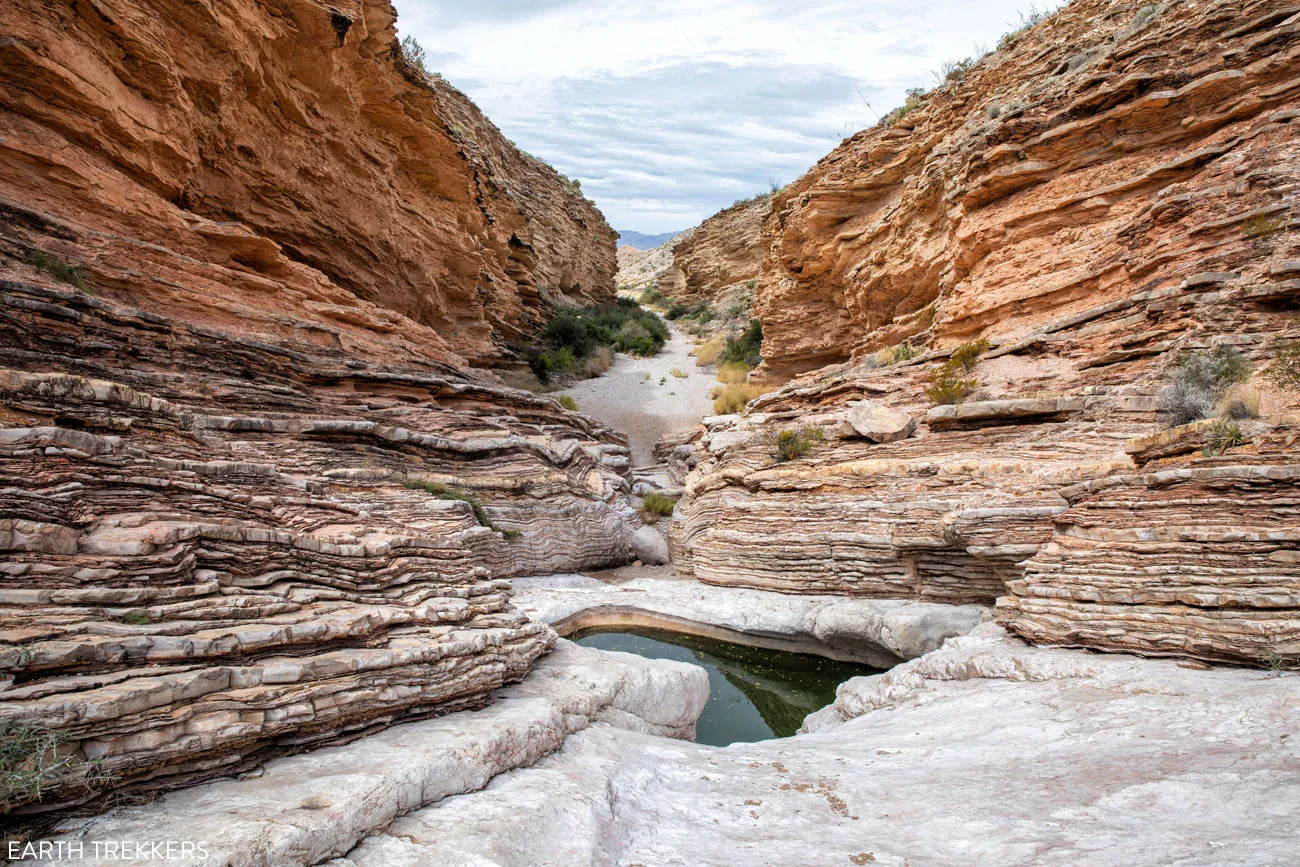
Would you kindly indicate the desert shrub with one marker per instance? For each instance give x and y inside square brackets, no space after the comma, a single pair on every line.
[747,348]
[413,53]
[735,311]
[31,764]
[599,361]
[893,354]
[751,285]
[1285,370]
[733,372]
[657,505]
[446,492]
[568,402]
[1027,20]
[1199,382]
[733,398]
[1240,401]
[653,296]
[968,354]
[954,70]
[135,618]
[791,443]
[679,373]
[57,268]
[948,385]
[1222,435]
[577,335]
[710,350]
[914,96]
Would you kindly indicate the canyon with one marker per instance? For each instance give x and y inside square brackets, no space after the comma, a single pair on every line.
[289,570]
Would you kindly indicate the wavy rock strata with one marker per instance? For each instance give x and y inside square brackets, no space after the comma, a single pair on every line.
[1133,198]
[252,500]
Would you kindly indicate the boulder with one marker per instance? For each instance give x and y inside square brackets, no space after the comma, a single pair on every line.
[879,423]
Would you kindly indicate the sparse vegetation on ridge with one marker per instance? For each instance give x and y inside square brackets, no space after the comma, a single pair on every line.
[57,268]
[446,492]
[792,443]
[32,762]
[1199,382]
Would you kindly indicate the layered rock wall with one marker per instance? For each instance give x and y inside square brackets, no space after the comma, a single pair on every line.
[251,498]
[1132,198]
[720,254]
[289,142]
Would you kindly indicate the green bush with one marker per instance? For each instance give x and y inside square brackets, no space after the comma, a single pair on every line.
[792,443]
[1200,380]
[948,385]
[445,492]
[413,53]
[137,619]
[653,296]
[968,354]
[568,402]
[658,505]
[58,269]
[30,764]
[1223,434]
[747,348]
[574,335]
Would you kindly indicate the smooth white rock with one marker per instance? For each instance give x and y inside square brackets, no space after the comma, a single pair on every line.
[879,632]
[879,423]
[649,546]
[986,752]
[307,808]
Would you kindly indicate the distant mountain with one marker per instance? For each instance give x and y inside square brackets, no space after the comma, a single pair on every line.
[642,241]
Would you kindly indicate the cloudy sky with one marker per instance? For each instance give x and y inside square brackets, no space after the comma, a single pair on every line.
[668,110]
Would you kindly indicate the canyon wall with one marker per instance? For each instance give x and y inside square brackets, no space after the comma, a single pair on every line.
[720,254]
[1111,190]
[251,497]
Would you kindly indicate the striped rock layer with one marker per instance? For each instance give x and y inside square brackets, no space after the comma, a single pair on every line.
[251,498]
[1096,199]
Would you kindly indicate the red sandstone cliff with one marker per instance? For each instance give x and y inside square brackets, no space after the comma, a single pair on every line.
[251,499]
[720,254]
[288,144]
[1115,190]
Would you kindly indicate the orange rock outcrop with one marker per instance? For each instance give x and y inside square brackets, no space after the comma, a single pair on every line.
[1113,190]
[252,498]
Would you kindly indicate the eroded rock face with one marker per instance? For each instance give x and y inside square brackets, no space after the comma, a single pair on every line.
[720,254]
[289,146]
[1122,208]
[1097,158]
[251,498]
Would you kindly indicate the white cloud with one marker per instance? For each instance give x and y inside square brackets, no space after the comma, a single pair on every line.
[670,109]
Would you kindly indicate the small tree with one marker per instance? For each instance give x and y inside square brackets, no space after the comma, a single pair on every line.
[413,52]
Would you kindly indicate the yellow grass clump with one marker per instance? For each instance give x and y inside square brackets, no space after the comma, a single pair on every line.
[710,351]
[733,397]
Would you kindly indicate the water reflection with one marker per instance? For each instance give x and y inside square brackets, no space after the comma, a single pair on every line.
[754,694]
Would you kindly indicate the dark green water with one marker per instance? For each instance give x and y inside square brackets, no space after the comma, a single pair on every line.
[754,694]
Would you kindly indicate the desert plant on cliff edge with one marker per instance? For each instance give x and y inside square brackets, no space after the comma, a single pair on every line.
[948,385]
[444,492]
[1199,382]
[30,764]
[791,443]
[968,354]
[413,53]
[1223,434]
[58,269]
[568,402]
